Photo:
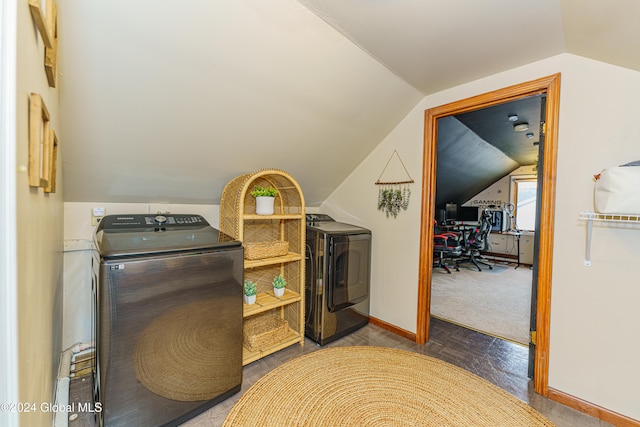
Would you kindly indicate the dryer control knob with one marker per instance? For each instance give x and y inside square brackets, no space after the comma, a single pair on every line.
[160,219]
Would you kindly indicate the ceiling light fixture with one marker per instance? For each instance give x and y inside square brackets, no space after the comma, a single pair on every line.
[529,135]
[521,127]
[513,117]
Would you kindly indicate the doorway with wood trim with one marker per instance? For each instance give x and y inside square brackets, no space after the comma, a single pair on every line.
[550,86]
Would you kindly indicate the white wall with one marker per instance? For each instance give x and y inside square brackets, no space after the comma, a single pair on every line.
[39,237]
[594,310]
[594,315]
[395,241]
[500,192]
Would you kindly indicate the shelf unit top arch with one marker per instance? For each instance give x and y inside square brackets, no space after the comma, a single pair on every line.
[237,204]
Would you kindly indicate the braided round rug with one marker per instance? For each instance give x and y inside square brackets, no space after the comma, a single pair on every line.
[377,386]
[178,356]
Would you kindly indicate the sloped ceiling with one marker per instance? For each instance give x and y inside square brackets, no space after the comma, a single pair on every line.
[477,148]
[435,45]
[466,164]
[165,101]
[496,125]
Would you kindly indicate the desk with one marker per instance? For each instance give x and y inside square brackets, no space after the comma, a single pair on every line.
[456,227]
[502,245]
[443,228]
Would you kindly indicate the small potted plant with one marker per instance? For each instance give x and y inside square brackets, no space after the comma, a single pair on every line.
[250,290]
[278,285]
[265,196]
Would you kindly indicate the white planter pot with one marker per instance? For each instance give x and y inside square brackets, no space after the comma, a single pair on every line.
[264,205]
[250,299]
[278,292]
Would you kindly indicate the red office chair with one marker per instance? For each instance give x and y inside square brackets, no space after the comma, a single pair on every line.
[446,245]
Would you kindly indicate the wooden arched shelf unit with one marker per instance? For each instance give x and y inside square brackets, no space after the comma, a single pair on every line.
[239,220]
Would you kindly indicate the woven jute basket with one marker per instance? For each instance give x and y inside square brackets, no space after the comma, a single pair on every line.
[263,331]
[260,250]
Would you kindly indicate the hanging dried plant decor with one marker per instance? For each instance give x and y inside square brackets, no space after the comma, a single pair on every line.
[393,196]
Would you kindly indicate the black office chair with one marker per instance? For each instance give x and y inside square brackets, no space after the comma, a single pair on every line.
[446,245]
[476,241]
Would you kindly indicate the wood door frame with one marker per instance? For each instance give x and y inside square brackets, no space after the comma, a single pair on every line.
[551,86]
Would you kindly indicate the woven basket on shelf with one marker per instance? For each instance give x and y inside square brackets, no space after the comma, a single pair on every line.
[260,250]
[260,332]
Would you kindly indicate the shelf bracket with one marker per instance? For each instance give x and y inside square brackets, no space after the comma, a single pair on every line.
[609,217]
[587,256]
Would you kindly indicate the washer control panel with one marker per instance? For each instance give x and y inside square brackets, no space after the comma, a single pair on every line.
[174,220]
[141,221]
[313,218]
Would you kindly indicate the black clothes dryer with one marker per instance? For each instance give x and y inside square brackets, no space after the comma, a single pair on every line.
[338,268]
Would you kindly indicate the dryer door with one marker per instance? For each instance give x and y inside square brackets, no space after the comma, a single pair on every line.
[314,261]
[349,266]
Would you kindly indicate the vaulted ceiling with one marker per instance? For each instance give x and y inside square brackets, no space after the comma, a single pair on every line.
[477,148]
[165,101]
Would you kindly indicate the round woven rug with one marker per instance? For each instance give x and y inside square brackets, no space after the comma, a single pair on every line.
[181,356]
[376,386]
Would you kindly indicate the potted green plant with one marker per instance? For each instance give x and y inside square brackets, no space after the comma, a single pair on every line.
[265,196]
[250,291]
[279,283]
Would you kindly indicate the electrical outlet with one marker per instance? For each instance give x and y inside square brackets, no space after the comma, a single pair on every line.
[96,215]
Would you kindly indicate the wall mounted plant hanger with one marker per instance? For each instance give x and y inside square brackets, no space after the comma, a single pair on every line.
[39,135]
[394,192]
[42,16]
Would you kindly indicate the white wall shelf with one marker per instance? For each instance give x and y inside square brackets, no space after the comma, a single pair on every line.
[590,217]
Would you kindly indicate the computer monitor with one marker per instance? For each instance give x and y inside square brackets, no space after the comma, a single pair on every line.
[468,214]
[498,220]
[451,212]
